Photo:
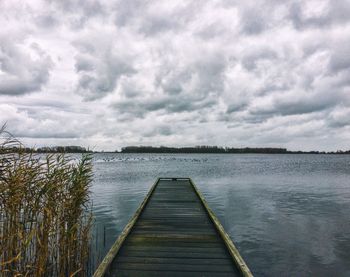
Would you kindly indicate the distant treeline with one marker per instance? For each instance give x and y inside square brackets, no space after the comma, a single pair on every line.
[63,149]
[184,150]
[219,150]
[54,149]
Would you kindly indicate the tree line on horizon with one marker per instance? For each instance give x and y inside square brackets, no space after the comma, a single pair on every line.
[205,149]
[52,149]
[219,150]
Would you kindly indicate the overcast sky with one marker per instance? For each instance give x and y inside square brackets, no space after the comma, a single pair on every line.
[107,74]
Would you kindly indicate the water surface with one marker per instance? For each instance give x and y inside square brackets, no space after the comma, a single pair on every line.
[289,215]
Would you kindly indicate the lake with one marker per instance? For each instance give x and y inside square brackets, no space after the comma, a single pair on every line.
[289,215]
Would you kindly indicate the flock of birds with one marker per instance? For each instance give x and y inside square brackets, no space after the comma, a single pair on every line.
[109,159]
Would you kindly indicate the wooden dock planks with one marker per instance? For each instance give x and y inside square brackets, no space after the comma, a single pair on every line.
[173,234]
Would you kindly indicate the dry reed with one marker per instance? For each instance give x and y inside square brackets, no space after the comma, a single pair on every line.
[45,212]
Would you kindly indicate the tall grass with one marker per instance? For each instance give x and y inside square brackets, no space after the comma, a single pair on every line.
[45,212]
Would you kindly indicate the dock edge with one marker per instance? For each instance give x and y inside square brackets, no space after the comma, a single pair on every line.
[103,267]
[237,258]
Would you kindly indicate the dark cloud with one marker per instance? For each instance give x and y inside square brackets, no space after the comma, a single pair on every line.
[128,10]
[250,59]
[211,31]
[301,21]
[47,21]
[162,130]
[158,24]
[46,134]
[76,13]
[100,69]
[201,77]
[236,107]
[305,103]
[84,63]
[340,59]
[21,73]
[153,18]
[253,21]
[302,106]
[167,104]
[319,14]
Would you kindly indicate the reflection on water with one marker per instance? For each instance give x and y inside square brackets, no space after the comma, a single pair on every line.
[287,214]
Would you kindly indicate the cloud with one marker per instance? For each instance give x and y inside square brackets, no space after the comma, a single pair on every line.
[251,58]
[77,13]
[22,72]
[339,118]
[283,106]
[340,59]
[319,14]
[168,104]
[154,18]
[46,21]
[102,62]
[110,74]
[254,19]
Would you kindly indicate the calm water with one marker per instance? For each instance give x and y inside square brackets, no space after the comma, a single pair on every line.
[289,215]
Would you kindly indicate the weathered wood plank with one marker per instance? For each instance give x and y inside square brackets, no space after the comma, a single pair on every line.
[176,228]
[173,254]
[183,236]
[176,267]
[172,225]
[143,273]
[187,261]
[156,239]
[174,243]
[171,249]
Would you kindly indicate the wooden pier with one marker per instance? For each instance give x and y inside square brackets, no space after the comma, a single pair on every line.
[173,233]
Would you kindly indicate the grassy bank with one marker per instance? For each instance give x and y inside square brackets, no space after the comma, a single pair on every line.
[45,213]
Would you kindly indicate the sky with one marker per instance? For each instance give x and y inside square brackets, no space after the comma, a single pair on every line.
[108,74]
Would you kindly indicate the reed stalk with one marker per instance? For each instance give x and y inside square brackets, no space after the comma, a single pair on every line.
[45,212]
